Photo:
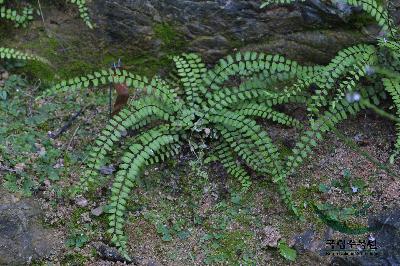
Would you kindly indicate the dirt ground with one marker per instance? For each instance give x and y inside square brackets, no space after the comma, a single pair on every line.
[186,213]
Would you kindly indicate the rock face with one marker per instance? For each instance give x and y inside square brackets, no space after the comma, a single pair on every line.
[387,239]
[22,238]
[312,31]
[143,33]
[387,236]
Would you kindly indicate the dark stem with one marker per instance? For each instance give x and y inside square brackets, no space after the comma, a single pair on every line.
[67,125]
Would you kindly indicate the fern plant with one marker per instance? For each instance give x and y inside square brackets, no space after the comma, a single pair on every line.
[22,17]
[202,107]
[205,105]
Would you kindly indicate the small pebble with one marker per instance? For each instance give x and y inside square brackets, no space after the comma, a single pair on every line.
[107,170]
[81,201]
[109,253]
[5,75]
[97,211]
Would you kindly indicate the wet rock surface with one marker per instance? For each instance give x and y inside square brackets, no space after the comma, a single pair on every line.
[306,242]
[111,254]
[317,29]
[387,236]
[22,237]
[387,239]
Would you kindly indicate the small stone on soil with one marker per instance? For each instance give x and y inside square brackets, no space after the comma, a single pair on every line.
[81,201]
[271,236]
[97,211]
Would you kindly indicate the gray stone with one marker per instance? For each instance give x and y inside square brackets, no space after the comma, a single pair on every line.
[271,236]
[81,201]
[308,242]
[107,170]
[303,242]
[22,237]
[97,211]
[109,253]
[387,240]
[311,31]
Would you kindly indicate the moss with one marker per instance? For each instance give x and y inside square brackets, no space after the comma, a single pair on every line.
[306,193]
[73,259]
[73,221]
[172,39]
[306,196]
[361,20]
[88,55]
[64,63]
[38,70]
[75,68]
[284,150]
[5,30]
[165,32]
[230,247]
[144,64]
[38,263]
[235,43]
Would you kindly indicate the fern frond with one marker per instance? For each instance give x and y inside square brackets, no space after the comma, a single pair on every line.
[155,86]
[133,161]
[347,86]
[83,11]
[378,12]
[197,101]
[165,152]
[190,69]
[350,61]
[286,196]
[392,46]
[253,90]
[224,154]
[138,114]
[393,88]
[264,111]
[321,125]
[244,148]
[251,63]
[231,96]
[11,53]
[249,130]
[347,58]
[258,149]
[99,78]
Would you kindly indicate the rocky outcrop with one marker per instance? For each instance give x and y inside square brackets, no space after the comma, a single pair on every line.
[387,239]
[386,234]
[144,32]
[311,31]
[22,237]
